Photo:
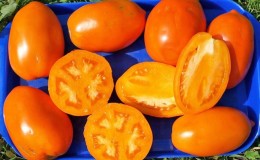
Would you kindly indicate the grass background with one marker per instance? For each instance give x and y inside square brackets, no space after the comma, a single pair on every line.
[8,8]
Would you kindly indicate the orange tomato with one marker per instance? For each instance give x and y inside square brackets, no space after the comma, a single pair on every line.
[108,26]
[213,132]
[148,86]
[80,82]
[38,129]
[169,27]
[238,33]
[36,41]
[202,73]
[118,131]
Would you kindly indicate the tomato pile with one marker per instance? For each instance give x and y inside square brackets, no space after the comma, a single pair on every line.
[194,64]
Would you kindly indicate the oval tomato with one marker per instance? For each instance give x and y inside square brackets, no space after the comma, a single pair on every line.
[38,129]
[202,73]
[118,131]
[36,41]
[147,86]
[240,41]
[169,27]
[80,82]
[108,26]
[216,131]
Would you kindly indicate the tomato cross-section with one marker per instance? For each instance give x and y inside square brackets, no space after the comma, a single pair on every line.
[202,73]
[80,81]
[118,131]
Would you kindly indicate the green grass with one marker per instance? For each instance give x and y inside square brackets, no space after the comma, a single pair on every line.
[8,8]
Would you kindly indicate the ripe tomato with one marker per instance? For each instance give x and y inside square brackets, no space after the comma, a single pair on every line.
[169,27]
[108,26]
[148,86]
[80,81]
[216,131]
[202,73]
[240,41]
[36,41]
[118,131]
[38,129]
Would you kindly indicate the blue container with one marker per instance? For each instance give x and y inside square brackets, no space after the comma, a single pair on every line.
[244,97]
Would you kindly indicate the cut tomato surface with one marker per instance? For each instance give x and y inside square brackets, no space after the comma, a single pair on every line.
[202,73]
[80,81]
[118,131]
[148,86]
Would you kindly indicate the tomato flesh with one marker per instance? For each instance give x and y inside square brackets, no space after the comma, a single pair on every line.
[202,73]
[118,131]
[80,81]
[148,87]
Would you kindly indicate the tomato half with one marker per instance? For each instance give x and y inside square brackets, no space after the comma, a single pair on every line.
[169,27]
[38,129]
[80,81]
[118,131]
[36,41]
[108,25]
[216,131]
[238,33]
[148,86]
[202,73]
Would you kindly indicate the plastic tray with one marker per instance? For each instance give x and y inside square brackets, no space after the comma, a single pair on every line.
[244,97]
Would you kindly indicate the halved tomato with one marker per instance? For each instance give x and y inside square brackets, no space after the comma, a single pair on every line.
[80,81]
[118,131]
[202,73]
[147,86]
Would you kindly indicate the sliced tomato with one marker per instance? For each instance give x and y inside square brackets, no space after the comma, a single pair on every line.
[118,131]
[202,73]
[148,86]
[80,81]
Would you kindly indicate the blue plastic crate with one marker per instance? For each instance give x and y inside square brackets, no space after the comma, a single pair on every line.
[245,96]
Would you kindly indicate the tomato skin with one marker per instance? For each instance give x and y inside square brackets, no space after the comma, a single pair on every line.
[216,131]
[240,41]
[140,86]
[169,27]
[118,131]
[108,26]
[36,41]
[202,73]
[38,129]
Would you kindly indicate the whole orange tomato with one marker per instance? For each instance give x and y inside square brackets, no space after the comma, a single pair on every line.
[36,41]
[216,131]
[38,129]
[170,25]
[238,33]
[108,26]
